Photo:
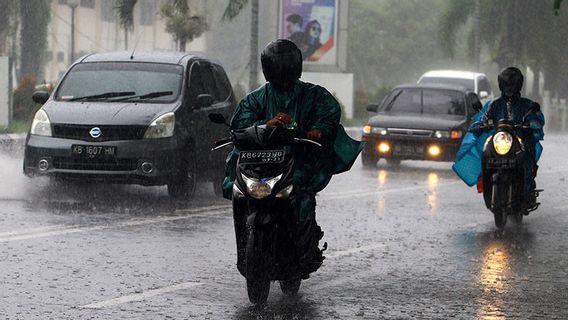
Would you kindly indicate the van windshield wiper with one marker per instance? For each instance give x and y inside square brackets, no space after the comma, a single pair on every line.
[150,95]
[105,95]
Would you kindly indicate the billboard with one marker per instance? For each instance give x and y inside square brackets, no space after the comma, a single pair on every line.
[312,26]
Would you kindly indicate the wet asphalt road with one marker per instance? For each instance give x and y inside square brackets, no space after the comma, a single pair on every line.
[408,242]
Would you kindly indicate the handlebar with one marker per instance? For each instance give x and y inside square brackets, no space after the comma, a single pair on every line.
[219,144]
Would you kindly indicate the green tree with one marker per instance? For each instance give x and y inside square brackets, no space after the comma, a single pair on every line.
[391,42]
[233,9]
[8,23]
[515,32]
[34,17]
[125,12]
[557,4]
[181,23]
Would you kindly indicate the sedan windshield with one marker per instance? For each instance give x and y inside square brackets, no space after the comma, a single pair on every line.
[112,81]
[425,101]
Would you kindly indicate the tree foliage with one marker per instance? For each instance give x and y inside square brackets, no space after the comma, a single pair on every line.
[34,17]
[391,42]
[557,4]
[181,23]
[524,33]
[234,7]
[8,22]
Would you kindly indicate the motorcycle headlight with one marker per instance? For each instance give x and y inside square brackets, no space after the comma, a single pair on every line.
[502,142]
[162,127]
[260,188]
[41,125]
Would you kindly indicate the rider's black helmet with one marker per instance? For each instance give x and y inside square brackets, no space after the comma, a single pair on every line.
[281,62]
[510,81]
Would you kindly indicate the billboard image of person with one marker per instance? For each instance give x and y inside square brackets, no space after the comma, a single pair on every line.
[312,26]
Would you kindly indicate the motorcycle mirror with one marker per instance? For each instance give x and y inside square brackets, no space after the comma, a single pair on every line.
[218,118]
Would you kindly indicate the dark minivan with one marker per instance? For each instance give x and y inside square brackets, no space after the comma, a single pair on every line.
[139,119]
[418,122]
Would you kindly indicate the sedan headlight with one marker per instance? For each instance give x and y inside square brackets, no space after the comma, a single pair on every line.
[375,130]
[260,188]
[41,125]
[162,127]
[442,134]
[502,142]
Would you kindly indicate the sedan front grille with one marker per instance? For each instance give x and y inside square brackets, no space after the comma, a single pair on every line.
[409,132]
[108,164]
[108,133]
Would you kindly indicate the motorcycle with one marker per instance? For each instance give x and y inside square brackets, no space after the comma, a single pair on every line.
[503,172]
[263,212]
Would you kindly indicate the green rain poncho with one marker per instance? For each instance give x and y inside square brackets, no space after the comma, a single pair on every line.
[311,107]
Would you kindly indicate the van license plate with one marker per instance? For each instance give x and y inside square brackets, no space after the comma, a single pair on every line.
[90,151]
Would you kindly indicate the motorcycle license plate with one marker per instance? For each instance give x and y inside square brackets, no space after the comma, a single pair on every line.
[93,152]
[262,156]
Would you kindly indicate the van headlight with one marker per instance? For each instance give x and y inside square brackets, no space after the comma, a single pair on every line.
[41,125]
[260,188]
[162,127]
[502,142]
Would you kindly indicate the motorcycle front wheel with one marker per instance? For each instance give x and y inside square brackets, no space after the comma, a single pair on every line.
[258,290]
[258,283]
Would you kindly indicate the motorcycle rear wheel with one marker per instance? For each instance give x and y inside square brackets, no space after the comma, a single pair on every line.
[290,287]
[518,218]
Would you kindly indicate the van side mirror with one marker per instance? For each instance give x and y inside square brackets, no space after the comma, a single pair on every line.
[483,94]
[373,107]
[204,101]
[40,96]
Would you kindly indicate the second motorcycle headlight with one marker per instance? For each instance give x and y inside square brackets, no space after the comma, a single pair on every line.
[502,142]
[260,188]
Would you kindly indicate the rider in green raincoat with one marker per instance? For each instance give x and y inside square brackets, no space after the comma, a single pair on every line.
[287,101]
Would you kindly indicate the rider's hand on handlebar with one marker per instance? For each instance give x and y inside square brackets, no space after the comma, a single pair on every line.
[280,119]
[314,134]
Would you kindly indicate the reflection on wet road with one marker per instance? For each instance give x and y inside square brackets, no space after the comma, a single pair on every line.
[408,241]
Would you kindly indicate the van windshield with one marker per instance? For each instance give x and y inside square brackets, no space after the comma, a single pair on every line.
[425,101]
[96,80]
[467,84]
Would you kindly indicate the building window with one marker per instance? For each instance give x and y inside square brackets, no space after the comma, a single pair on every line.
[88,3]
[147,12]
[107,10]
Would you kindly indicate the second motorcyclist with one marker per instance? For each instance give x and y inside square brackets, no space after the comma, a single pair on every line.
[511,106]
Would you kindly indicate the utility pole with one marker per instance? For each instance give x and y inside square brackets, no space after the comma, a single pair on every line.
[73,4]
[477,36]
[253,59]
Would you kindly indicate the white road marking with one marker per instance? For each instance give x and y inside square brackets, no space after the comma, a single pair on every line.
[341,253]
[140,296]
[338,196]
[57,230]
